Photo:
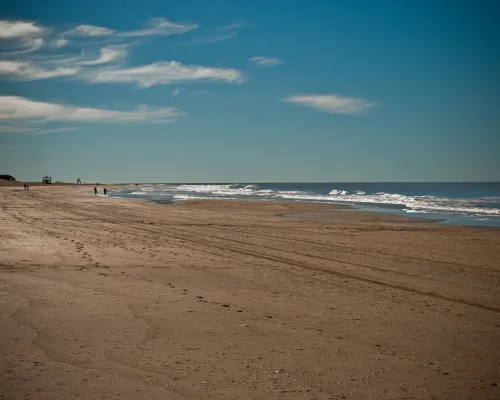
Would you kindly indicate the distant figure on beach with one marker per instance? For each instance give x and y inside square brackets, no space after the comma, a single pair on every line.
[78,181]
[105,191]
[25,186]
[95,190]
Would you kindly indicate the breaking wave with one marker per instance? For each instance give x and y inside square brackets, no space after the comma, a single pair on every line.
[413,204]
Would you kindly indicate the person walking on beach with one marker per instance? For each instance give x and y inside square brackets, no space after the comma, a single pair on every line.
[25,186]
[105,191]
[95,189]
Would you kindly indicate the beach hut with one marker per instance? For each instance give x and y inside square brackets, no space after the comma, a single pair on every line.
[47,179]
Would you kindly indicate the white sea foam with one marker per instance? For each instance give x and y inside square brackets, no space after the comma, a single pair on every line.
[424,203]
[184,197]
[485,206]
[335,192]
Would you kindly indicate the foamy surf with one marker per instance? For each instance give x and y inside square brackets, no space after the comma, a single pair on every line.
[479,201]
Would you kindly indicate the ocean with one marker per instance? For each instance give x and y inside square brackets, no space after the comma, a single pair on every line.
[475,204]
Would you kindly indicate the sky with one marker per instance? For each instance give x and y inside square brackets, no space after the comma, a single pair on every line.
[250,91]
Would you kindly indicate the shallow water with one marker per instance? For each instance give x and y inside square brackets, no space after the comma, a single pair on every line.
[476,204]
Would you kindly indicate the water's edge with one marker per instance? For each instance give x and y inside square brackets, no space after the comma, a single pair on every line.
[449,203]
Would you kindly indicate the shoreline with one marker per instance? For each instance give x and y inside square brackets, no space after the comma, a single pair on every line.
[382,215]
[371,203]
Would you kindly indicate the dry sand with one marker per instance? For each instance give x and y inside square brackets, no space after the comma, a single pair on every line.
[103,298]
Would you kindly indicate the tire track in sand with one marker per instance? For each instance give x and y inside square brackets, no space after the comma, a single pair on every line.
[182,235]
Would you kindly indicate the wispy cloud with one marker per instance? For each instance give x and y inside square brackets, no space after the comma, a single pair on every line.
[18,37]
[54,130]
[266,61]
[164,73]
[97,68]
[27,71]
[160,27]
[23,46]
[107,55]
[93,69]
[332,103]
[176,92]
[58,43]
[19,29]
[89,30]
[234,25]
[155,27]
[34,131]
[22,115]
[210,39]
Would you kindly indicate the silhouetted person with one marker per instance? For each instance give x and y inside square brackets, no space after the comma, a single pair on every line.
[95,190]
[105,191]
[25,186]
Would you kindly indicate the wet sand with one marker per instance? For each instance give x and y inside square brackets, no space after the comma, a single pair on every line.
[104,298]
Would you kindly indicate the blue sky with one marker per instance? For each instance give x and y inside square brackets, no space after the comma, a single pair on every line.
[248,91]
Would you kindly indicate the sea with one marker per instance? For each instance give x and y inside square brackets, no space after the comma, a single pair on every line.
[476,204]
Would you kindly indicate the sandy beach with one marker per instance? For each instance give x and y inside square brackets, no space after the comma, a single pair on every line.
[105,298]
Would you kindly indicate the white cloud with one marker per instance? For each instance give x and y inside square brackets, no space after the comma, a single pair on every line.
[155,27]
[163,73]
[18,29]
[61,59]
[210,39]
[332,103]
[27,71]
[24,45]
[266,61]
[89,30]
[58,43]
[107,55]
[160,27]
[14,109]
[105,67]
[34,131]
[234,25]
[53,130]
